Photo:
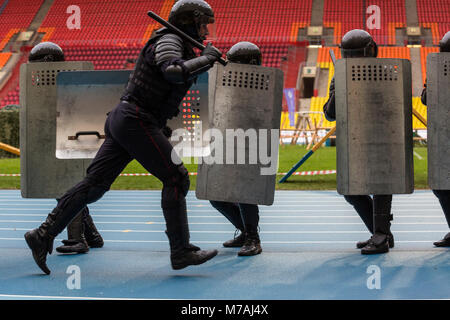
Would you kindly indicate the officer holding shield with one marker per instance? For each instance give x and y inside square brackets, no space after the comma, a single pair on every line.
[375,212]
[245,217]
[442,195]
[82,232]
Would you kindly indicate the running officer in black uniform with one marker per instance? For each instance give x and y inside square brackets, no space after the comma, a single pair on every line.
[376,212]
[245,217]
[166,68]
[81,232]
[442,195]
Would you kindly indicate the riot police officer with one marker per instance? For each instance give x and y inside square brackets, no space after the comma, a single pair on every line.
[81,232]
[375,212]
[442,195]
[245,217]
[165,70]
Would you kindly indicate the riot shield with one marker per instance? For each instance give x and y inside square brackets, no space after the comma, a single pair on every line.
[85,98]
[244,114]
[42,174]
[374,126]
[438,116]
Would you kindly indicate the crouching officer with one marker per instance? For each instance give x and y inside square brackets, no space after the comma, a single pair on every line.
[82,232]
[165,70]
[375,212]
[245,217]
[442,195]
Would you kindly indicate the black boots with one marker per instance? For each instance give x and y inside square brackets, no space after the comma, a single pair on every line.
[182,253]
[93,237]
[82,234]
[236,242]
[362,244]
[252,244]
[40,241]
[382,238]
[444,242]
[76,242]
[248,241]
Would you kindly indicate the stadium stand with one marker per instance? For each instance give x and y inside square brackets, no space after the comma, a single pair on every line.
[260,20]
[434,15]
[4,57]
[15,17]
[345,15]
[103,22]
[113,33]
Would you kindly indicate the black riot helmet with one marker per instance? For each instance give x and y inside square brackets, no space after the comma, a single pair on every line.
[46,52]
[245,52]
[189,15]
[444,44]
[358,43]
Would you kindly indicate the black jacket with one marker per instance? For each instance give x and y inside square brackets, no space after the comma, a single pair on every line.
[329,109]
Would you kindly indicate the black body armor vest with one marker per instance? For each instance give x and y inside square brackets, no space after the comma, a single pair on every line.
[149,89]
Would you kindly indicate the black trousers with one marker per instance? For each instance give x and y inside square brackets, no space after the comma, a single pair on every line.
[366,207]
[244,217]
[131,133]
[444,199]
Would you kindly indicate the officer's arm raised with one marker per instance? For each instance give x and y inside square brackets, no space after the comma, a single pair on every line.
[169,56]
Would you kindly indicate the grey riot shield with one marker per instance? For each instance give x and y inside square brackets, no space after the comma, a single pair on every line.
[42,174]
[374,126]
[245,110]
[438,116]
[85,98]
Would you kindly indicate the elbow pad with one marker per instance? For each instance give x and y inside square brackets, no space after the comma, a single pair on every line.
[196,66]
[175,74]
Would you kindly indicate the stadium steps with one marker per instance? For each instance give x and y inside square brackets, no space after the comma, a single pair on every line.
[40,15]
[317,12]
[412,19]
[434,15]
[416,65]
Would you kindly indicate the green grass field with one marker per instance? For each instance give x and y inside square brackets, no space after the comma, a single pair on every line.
[322,159]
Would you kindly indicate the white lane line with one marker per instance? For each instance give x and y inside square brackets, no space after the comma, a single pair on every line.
[262,210]
[219,242]
[262,232]
[227,223]
[300,205]
[70,298]
[219,216]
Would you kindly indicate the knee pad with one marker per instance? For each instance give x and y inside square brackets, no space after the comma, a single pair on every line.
[83,193]
[94,193]
[176,187]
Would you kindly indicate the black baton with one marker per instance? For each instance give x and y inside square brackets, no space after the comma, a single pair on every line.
[183,35]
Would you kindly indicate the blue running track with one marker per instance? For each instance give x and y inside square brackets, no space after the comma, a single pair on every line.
[308,240]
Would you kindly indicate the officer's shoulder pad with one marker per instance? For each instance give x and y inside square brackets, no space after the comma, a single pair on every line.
[171,38]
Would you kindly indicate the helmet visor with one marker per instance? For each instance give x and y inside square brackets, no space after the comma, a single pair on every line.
[207,28]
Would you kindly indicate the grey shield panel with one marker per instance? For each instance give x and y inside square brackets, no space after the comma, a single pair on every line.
[438,116]
[42,174]
[374,126]
[85,98]
[249,98]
